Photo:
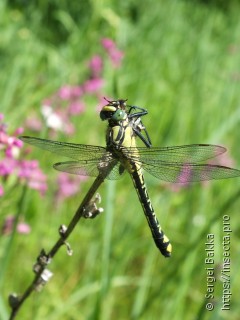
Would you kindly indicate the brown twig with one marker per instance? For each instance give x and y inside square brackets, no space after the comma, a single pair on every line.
[87,209]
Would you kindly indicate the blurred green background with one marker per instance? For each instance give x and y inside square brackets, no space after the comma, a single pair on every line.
[181,62]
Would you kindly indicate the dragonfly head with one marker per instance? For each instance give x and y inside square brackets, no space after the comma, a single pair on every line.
[114,111]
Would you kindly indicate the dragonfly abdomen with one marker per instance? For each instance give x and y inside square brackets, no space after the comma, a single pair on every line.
[160,239]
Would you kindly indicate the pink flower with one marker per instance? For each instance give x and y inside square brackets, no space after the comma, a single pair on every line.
[96,66]
[68,185]
[30,172]
[76,108]
[69,128]
[93,85]
[10,164]
[70,92]
[8,226]
[9,144]
[223,160]
[77,92]
[23,228]
[3,137]
[114,54]
[17,142]
[108,44]
[26,168]
[7,166]
[116,57]
[34,124]
[65,92]
[68,100]
[18,132]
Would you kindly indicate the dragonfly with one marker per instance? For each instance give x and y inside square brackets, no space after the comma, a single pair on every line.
[176,164]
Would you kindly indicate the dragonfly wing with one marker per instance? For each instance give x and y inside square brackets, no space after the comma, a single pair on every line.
[70,150]
[184,154]
[184,173]
[90,159]
[90,168]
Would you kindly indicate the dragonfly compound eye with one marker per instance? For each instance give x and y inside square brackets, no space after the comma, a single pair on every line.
[107,112]
[119,115]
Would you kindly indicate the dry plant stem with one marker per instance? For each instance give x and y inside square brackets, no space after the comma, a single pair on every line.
[79,213]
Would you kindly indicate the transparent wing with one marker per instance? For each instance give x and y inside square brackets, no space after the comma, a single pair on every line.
[173,164]
[70,150]
[178,154]
[91,168]
[183,173]
[91,160]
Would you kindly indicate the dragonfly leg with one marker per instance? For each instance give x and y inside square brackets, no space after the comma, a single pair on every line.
[138,114]
[147,140]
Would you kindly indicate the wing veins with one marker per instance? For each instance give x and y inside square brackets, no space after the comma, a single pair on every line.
[70,150]
[178,173]
[176,154]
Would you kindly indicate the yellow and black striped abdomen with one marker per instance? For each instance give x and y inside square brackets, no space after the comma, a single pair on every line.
[160,239]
